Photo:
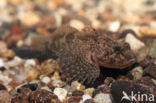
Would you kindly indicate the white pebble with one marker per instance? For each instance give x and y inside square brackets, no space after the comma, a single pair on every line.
[58,83]
[134,43]
[46,80]
[61,93]
[30,62]
[114,27]
[1,63]
[85,97]
[75,85]
[77,24]
[102,98]
[15,62]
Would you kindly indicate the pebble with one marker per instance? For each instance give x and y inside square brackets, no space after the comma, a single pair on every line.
[5,97]
[89,91]
[148,31]
[89,101]
[114,26]
[32,74]
[43,96]
[142,54]
[20,98]
[5,79]
[150,70]
[15,62]
[30,62]
[46,80]
[5,52]
[77,86]
[152,51]
[61,93]
[2,87]
[58,83]
[137,72]
[77,93]
[56,76]
[102,98]
[85,97]
[30,18]
[32,86]
[49,66]
[77,24]
[134,43]
[8,53]
[20,43]
[46,88]
[1,63]
[102,89]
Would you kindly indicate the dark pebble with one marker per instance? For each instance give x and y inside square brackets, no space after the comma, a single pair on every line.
[43,96]
[77,93]
[89,101]
[101,89]
[2,87]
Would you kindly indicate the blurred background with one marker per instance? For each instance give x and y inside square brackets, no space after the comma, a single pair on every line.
[97,13]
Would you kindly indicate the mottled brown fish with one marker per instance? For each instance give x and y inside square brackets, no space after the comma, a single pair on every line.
[81,53]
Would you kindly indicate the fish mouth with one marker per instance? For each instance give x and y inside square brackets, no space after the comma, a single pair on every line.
[129,63]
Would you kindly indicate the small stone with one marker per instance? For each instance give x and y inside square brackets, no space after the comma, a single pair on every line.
[30,62]
[32,86]
[25,91]
[46,80]
[150,70]
[43,96]
[20,43]
[61,93]
[142,54]
[58,83]
[46,88]
[137,72]
[20,98]
[56,76]
[15,62]
[2,87]
[146,81]
[102,98]
[134,43]
[8,54]
[77,86]
[101,89]
[89,91]
[114,27]
[1,63]
[32,74]
[49,66]
[30,18]
[85,97]
[148,31]
[5,97]
[89,101]
[77,24]
[77,93]
[3,46]
[153,50]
